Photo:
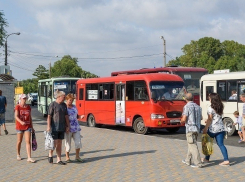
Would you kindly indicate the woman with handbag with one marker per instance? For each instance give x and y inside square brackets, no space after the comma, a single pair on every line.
[215,126]
[24,127]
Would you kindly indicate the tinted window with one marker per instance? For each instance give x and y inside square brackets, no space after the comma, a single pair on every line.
[221,89]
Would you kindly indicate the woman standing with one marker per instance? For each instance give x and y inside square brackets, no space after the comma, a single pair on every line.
[74,130]
[215,126]
[23,121]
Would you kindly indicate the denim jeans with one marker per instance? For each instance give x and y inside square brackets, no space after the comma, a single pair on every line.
[219,137]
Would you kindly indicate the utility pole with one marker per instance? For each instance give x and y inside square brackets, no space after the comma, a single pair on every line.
[6,47]
[50,69]
[164,51]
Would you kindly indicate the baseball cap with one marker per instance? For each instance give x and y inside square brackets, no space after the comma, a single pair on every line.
[22,96]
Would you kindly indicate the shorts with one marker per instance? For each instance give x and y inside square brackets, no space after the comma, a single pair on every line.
[58,135]
[22,131]
[76,138]
[240,129]
[2,118]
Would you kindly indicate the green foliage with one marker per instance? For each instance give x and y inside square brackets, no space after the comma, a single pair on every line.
[213,55]
[3,24]
[29,85]
[41,72]
[68,66]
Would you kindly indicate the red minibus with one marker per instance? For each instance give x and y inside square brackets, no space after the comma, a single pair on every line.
[190,75]
[140,101]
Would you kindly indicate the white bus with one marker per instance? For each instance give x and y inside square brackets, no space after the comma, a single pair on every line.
[229,86]
[47,88]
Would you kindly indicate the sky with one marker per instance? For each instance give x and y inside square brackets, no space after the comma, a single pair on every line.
[113,35]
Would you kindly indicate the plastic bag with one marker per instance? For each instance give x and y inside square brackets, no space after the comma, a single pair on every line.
[207,144]
[34,142]
[49,141]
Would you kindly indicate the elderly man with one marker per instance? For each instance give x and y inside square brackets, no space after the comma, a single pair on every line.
[58,124]
[192,118]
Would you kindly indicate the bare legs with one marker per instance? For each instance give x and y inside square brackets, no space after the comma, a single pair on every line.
[27,135]
[57,144]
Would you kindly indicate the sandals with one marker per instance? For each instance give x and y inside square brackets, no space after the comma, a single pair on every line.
[31,160]
[61,163]
[224,164]
[68,161]
[204,160]
[18,158]
[50,160]
[79,160]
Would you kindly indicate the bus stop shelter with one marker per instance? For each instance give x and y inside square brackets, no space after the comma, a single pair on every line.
[7,83]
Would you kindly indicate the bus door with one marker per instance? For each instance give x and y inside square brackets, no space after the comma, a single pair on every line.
[208,87]
[120,104]
[80,103]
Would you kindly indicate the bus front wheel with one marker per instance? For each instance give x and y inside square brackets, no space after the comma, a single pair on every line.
[230,128]
[139,126]
[91,121]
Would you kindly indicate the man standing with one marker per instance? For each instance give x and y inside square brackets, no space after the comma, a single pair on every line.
[3,105]
[58,124]
[192,118]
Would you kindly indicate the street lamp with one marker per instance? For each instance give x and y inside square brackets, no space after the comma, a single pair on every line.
[6,47]
[164,51]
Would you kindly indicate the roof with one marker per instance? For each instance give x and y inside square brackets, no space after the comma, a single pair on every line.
[147,77]
[164,69]
[224,76]
[5,77]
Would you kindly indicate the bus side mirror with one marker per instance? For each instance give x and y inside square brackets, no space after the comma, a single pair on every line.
[153,95]
[49,93]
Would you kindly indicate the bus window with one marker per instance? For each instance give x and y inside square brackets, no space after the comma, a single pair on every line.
[241,88]
[136,90]
[81,94]
[221,89]
[209,89]
[232,90]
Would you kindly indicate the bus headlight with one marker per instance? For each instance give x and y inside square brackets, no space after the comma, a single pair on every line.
[157,116]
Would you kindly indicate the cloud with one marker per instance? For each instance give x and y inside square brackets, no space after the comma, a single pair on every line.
[120,28]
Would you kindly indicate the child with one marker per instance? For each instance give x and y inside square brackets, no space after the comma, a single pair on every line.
[239,122]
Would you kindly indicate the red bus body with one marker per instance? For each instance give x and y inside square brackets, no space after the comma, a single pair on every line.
[111,101]
[188,74]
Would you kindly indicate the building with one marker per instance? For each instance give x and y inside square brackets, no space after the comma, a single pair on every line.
[5,70]
[7,83]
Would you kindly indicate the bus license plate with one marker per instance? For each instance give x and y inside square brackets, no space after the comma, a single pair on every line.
[174,121]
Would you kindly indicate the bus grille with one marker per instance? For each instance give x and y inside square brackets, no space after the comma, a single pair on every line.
[174,114]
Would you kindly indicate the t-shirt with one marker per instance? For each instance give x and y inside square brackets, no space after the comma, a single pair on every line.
[194,117]
[3,101]
[74,125]
[239,121]
[25,116]
[243,110]
[217,124]
[58,112]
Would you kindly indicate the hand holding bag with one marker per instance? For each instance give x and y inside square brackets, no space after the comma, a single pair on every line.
[49,141]
[34,142]
[207,144]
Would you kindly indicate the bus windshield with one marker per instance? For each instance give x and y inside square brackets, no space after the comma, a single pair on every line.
[191,80]
[67,86]
[168,90]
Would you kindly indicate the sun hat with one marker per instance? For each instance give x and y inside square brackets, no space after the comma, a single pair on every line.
[22,96]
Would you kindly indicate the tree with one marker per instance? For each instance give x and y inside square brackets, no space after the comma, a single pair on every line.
[68,66]
[41,72]
[29,85]
[3,24]
[211,54]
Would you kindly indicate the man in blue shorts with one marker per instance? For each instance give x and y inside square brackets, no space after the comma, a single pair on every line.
[3,105]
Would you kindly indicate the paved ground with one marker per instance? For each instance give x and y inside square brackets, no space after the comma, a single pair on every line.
[114,155]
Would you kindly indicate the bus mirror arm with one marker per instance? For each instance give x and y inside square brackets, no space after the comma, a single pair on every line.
[49,93]
[153,96]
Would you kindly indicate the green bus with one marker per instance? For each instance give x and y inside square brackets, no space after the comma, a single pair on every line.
[48,87]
